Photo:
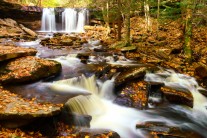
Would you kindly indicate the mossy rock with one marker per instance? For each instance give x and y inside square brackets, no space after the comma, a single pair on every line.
[128,48]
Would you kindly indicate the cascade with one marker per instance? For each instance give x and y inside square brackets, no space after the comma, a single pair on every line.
[74,20]
[67,20]
[106,114]
[48,20]
[82,19]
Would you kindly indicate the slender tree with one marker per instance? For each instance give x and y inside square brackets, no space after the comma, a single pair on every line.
[119,20]
[147,15]
[189,6]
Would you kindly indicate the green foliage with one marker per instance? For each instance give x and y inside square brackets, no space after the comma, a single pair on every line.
[50,3]
[75,3]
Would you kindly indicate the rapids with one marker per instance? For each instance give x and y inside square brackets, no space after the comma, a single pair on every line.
[99,96]
[106,114]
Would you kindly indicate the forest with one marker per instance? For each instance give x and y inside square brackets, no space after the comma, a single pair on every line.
[103,68]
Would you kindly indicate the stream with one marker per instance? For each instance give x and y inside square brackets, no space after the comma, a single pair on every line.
[75,78]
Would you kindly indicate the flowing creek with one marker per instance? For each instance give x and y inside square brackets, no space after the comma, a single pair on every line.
[75,78]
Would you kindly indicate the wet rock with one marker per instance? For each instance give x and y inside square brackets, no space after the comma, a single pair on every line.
[74,119]
[131,74]
[63,40]
[27,69]
[9,52]
[178,96]
[83,57]
[201,71]
[94,133]
[100,49]
[155,95]
[67,42]
[203,91]
[16,111]
[134,95]
[161,129]
[100,70]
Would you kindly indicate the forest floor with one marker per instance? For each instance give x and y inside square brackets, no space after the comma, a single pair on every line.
[164,46]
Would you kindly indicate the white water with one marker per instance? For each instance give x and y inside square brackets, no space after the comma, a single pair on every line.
[48,20]
[106,114]
[73,20]
[69,18]
[176,80]
[69,60]
[82,20]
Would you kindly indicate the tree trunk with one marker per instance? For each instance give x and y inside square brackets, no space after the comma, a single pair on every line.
[39,3]
[188,30]
[119,21]
[147,16]
[158,16]
[128,25]
[106,18]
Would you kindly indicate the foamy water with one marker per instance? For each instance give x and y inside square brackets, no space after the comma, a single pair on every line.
[106,114]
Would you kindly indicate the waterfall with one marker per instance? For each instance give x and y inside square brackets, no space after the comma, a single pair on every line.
[69,20]
[82,20]
[48,20]
[107,115]
[104,113]
[176,80]
[74,19]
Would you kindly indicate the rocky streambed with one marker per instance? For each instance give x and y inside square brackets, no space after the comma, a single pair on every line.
[27,110]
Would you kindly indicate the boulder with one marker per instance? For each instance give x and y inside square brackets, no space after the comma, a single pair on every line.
[131,74]
[183,97]
[28,31]
[163,53]
[83,56]
[16,111]
[161,129]
[9,28]
[9,52]
[27,69]
[95,133]
[134,95]
[67,42]
[201,71]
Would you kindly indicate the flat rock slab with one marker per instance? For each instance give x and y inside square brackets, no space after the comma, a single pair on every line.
[10,52]
[178,96]
[27,69]
[13,106]
[161,129]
